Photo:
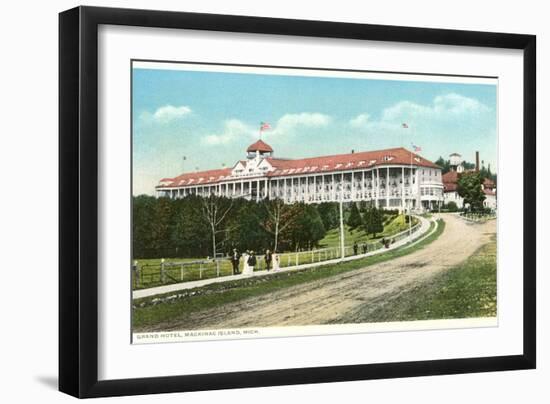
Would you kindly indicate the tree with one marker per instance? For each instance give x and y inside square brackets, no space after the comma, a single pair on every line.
[468,166]
[142,220]
[308,229]
[215,210]
[451,206]
[373,221]
[444,164]
[329,214]
[279,217]
[469,188]
[354,220]
[486,173]
[246,233]
[161,225]
[190,234]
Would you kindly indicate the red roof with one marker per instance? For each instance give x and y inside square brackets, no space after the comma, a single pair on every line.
[323,164]
[348,161]
[260,146]
[449,181]
[196,178]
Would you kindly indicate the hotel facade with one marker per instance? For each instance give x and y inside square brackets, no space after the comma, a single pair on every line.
[391,178]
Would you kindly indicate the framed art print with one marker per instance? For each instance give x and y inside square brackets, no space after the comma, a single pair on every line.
[250,201]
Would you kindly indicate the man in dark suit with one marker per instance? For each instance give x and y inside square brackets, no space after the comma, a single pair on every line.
[252,260]
[268,259]
[235,259]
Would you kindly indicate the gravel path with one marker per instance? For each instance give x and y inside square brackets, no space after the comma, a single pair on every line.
[340,298]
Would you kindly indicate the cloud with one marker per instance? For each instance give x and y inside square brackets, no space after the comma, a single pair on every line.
[169,113]
[164,115]
[233,129]
[307,119]
[359,120]
[289,124]
[443,109]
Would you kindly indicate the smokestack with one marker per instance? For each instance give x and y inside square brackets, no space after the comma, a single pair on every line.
[477,161]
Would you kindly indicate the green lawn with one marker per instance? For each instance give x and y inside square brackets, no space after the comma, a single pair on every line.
[396,225]
[154,310]
[465,291]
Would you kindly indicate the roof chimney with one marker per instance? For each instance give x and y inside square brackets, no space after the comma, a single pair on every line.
[352,151]
[477,160]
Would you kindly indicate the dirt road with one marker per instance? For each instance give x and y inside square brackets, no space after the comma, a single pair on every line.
[340,298]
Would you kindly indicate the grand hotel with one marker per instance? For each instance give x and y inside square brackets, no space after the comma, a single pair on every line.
[391,178]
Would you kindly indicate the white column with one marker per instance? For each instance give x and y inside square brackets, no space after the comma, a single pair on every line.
[387,187]
[315,190]
[402,189]
[323,187]
[377,186]
[291,183]
[363,186]
[352,186]
[342,187]
[333,188]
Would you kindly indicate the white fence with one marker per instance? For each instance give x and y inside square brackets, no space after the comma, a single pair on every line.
[166,272]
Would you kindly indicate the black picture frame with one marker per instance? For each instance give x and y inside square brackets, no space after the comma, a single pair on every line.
[78,200]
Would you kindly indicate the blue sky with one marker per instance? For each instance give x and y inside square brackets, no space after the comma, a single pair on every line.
[211,117]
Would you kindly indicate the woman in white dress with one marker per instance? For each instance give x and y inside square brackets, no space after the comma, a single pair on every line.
[247,269]
[276,266]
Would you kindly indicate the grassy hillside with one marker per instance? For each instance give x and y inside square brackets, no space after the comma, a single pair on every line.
[394,225]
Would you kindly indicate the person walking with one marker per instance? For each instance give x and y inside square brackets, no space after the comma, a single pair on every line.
[235,260]
[365,248]
[251,261]
[355,248]
[268,259]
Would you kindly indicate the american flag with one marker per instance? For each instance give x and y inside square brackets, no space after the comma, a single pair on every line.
[404,125]
[264,126]
[416,148]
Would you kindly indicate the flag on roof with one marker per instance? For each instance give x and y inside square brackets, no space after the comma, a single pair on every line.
[404,125]
[264,126]
[416,148]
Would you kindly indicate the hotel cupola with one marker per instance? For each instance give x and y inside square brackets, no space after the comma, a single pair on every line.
[259,148]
